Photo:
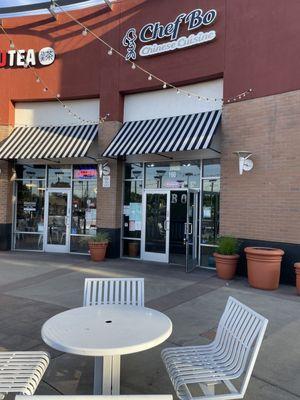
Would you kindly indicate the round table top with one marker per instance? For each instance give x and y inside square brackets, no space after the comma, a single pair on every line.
[106,330]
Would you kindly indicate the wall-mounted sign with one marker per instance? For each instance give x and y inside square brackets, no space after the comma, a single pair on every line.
[23,58]
[154,32]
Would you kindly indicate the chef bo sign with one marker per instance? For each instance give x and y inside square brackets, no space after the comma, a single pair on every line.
[156,38]
[23,58]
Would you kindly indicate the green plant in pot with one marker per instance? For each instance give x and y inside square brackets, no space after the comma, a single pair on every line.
[226,257]
[98,246]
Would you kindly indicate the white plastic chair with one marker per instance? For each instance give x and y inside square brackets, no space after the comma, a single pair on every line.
[22,371]
[118,291]
[232,354]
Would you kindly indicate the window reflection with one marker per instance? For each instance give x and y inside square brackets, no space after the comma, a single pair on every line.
[210,210]
[30,171]
[59,176]
[173,175]
[84,207]
[30,206]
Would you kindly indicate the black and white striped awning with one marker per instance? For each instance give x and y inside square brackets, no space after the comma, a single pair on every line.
[48,142]
[186,132]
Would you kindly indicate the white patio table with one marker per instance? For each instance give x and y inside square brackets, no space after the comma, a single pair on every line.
[106,332]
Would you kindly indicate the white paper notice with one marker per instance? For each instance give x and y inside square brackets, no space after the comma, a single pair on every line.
[106,181]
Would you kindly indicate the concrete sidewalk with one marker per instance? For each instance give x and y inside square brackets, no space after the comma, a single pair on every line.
[36,286]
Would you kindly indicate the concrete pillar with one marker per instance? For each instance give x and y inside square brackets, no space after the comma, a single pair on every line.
[109,200]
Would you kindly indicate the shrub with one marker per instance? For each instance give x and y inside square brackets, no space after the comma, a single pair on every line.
[227,245]
[101,237]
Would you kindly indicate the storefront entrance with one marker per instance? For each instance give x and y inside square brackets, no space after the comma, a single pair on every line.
[171,226]
[58,220]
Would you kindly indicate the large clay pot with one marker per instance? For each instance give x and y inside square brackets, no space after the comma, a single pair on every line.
[226,265]
[97,250]
[297,271]
[133,249]
[264,265]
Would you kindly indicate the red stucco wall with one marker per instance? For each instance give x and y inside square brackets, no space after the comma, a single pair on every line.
[257,46]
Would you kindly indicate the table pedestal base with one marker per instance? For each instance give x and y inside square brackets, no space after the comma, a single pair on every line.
[107,375]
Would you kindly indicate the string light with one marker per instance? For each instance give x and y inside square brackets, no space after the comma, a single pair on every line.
[38,79]
[136,66]
[84,32]
[110,52]
[11,45]
[165,85]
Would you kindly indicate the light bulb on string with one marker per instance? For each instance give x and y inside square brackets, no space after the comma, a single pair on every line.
[150,78]
[189,95]
[58,95]
[110,52]
[165,85]
[45,89]
[178,91]
[11,45]
[84,32]
[37,79]
[133,66]
[25,65]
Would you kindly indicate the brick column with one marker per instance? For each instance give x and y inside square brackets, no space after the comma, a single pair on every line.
[6,196]
[109,200]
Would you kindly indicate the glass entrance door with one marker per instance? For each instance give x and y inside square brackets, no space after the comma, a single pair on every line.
[57,220]
[156,230]
[191,230]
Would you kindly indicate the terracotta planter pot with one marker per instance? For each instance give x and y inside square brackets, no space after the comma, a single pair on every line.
[226,265]
[297,271]
[133,249]
[264,265]
[97,250]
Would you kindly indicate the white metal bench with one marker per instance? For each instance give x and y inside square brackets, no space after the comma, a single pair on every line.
[83,397]
[231,355]
[119,291]
[22,371]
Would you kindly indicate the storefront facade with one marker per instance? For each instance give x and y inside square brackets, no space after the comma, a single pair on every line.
[107,146]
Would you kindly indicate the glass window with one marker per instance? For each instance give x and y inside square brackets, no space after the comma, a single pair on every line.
[30,171]
[134,171]
[210,210]
[30,206]
[85,172]
[59,176]
[207,258]
[132,209]
[28,241]
[79,244]
[132,248]
[84,203]
[173,175]
[211,168]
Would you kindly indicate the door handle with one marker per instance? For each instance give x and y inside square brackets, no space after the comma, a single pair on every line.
[166,224]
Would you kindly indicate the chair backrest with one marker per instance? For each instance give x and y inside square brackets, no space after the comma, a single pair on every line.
[240,333]
[91,397]
[118,291]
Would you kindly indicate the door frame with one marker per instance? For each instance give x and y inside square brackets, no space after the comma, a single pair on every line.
[56,248]
[195,230]
[151,256]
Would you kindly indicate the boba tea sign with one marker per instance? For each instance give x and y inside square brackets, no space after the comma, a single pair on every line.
[24,58]
[152,34]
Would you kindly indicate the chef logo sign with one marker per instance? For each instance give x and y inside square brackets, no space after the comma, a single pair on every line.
[153,32]
[23,58]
